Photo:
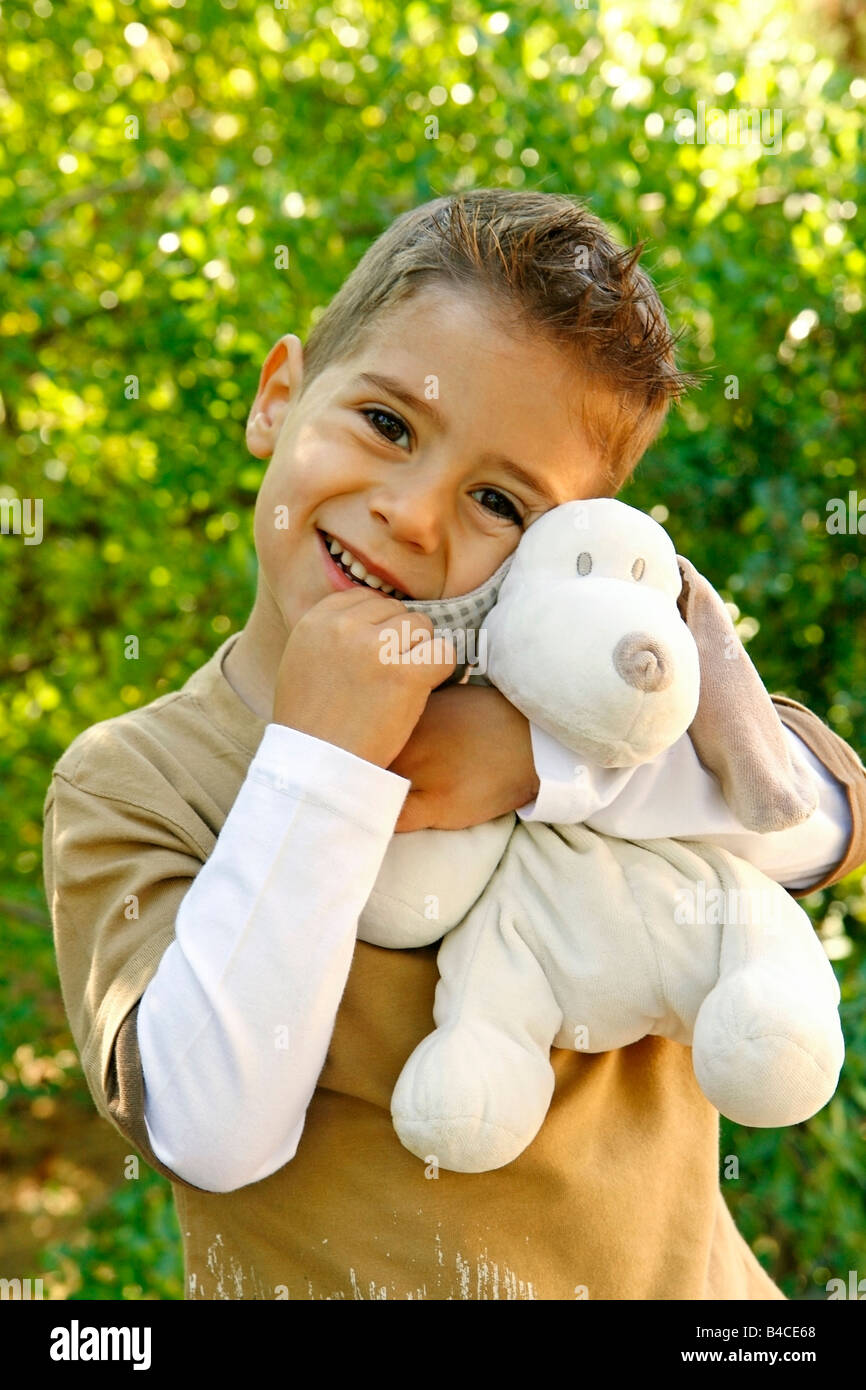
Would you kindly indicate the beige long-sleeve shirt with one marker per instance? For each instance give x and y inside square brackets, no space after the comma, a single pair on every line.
[619,1195]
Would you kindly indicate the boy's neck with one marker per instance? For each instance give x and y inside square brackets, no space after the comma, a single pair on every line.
[252,664]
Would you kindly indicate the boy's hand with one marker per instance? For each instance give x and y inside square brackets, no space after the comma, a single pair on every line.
[334,684]
[469,760]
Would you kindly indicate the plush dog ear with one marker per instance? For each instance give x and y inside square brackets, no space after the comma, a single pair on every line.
[736,732]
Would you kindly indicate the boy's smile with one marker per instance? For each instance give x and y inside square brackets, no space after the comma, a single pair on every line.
[347,569]
[422,459]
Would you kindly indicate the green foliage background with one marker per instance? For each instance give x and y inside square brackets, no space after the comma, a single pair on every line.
[151,252]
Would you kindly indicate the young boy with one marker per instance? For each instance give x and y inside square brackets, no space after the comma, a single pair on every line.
[207,857]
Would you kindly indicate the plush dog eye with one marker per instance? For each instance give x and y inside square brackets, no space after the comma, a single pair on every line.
[584,562]
[638,568]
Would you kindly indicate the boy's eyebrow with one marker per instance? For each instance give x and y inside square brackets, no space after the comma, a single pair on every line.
[396,388]
[517,471]
[521,475]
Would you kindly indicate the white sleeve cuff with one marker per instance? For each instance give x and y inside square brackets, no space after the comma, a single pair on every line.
[675,797]
[313,770]
[569,789]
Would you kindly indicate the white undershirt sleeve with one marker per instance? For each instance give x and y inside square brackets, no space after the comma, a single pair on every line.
[675,797]
[234,1027]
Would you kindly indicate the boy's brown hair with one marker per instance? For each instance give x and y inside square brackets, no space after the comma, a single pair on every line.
[548,265]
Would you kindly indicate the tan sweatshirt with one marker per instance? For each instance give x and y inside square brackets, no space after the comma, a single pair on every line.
[617,1198]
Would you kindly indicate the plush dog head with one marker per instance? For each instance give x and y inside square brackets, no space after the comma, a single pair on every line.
[586,638]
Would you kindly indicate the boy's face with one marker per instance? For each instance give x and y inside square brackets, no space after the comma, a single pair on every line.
[422,495]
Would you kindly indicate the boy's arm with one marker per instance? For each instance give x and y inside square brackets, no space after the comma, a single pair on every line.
[473,756]
[839,761]
[795,788]
[205,943]
[177,972]
[776,784]
[675,797]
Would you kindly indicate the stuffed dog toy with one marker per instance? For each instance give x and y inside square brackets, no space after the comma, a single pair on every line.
[561,936]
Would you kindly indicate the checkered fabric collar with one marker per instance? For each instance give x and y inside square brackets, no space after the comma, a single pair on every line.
[464,611]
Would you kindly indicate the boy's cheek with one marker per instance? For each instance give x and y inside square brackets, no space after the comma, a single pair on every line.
[267,514]
[313,463]
[287,546]
[277,541]
[292,572]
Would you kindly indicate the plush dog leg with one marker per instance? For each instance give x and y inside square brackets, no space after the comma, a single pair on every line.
[429,880]
[475,1092]
[767,1045]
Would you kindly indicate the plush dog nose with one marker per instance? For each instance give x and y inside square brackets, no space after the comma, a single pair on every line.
[643,662]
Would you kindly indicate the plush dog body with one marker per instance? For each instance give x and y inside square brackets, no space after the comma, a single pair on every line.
[560,936]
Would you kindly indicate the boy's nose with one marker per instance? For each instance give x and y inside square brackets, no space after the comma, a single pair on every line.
[414,513]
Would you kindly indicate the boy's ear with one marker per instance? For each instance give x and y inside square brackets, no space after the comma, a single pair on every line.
[279,384]
[737,733]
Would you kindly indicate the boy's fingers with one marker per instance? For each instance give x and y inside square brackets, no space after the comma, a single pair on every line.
[415,622]
[352,598]
[410,629]
[378,609]
[441,650]
[414,632]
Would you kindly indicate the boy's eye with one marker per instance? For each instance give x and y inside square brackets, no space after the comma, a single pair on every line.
[394,426]
[387,415]
[499,504]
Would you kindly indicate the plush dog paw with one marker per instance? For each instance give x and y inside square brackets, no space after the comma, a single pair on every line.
[762,1060]
[471,1099]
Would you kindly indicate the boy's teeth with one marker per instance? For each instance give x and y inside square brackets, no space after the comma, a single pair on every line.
[359,571]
